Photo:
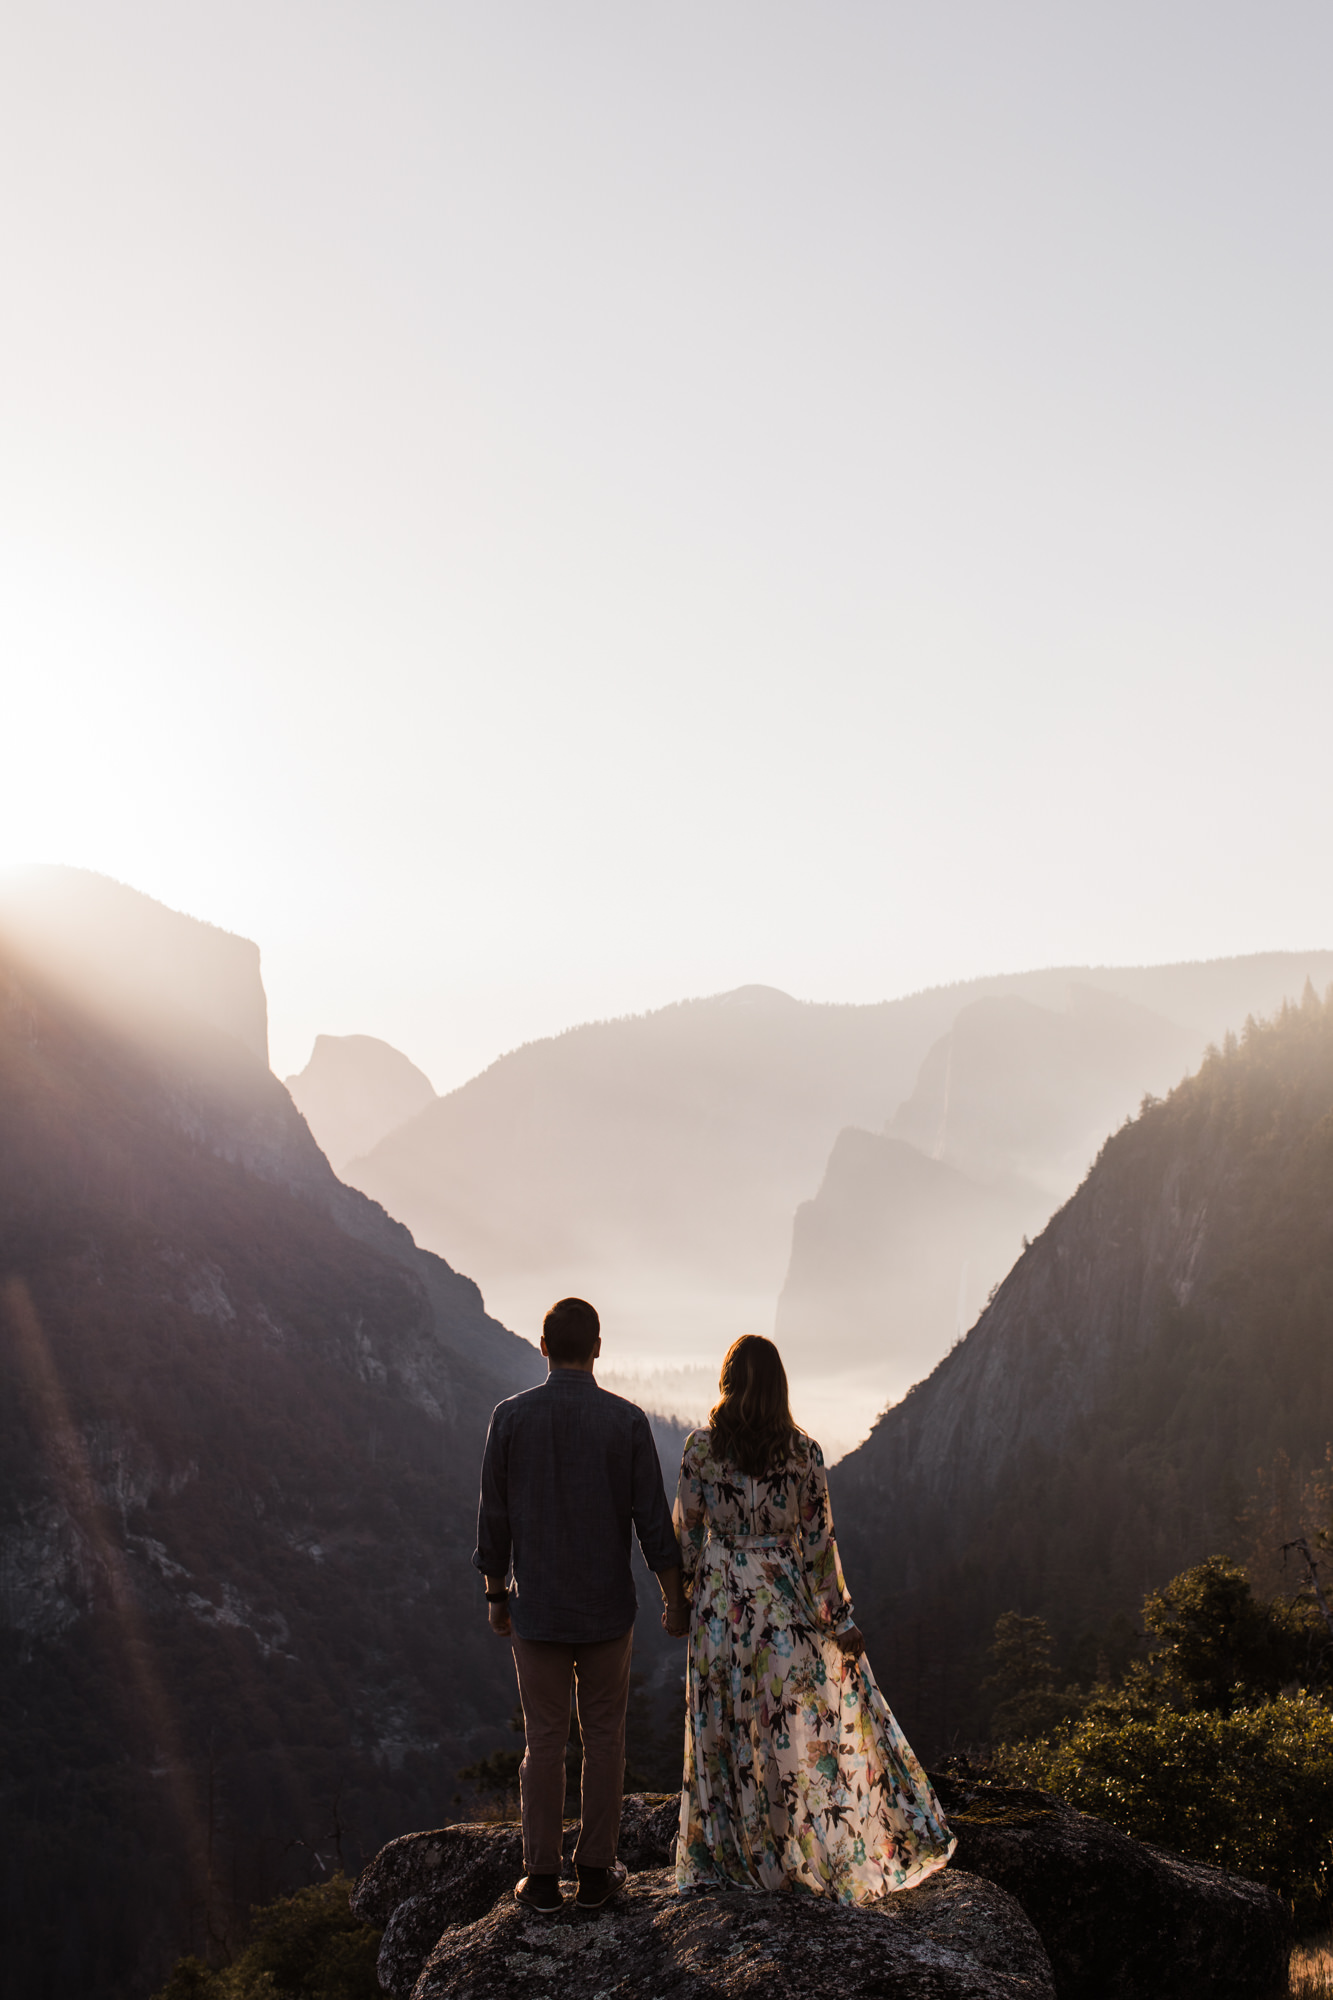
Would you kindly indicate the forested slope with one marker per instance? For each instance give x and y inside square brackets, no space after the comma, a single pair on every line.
[240,1422]
[1166,1337]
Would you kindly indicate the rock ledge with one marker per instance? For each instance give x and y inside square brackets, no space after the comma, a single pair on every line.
[1040,1903]
[1120,1920]
[452,1928]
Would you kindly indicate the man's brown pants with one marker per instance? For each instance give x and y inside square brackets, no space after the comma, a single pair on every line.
[600,1675]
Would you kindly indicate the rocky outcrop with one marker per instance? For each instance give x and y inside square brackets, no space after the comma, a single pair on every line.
[954,1938]
[1119,1920]
[1039,1900]
[467,1867]
[452,1928]
[424,1884]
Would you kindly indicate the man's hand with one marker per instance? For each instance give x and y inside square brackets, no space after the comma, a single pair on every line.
[499,1612]
[675,1604]
[852,1643]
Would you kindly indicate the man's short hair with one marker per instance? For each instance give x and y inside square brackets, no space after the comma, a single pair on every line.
[571,1331]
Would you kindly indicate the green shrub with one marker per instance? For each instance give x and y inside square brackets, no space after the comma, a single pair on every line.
[307,1946]
[1214,1642]
[1250,1791]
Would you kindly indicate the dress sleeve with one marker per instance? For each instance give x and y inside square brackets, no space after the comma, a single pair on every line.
[690,1514]
[819,1550]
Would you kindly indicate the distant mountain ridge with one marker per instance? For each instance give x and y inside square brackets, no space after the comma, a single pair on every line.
[655,1164]
[1102,1426]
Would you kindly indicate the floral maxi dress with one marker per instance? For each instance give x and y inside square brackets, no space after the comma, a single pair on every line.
[796,1774]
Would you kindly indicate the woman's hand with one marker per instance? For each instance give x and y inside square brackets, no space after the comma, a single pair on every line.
[676,1620]
[851,1643]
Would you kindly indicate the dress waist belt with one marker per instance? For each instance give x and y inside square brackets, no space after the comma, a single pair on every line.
[752,1541]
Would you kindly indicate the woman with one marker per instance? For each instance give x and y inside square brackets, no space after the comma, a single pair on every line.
[796,1774]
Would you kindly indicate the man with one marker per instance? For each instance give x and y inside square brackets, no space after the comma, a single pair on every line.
[568,1468]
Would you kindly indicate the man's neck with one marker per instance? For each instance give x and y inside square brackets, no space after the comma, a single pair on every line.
[571,1367]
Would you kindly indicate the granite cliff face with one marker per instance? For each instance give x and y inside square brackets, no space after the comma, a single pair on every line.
[1102,1425]
[914,1226]
[892,1260]
[130,962]
[240,1420]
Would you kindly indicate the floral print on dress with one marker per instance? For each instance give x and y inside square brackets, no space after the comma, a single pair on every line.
[796,1774]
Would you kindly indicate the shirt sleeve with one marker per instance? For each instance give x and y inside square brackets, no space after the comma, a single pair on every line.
[690,1513]
[495,1544]
[652,1516]
[819,1550]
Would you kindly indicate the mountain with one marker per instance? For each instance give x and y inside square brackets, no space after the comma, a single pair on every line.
[241,1416]
[1166,1338]
[654,1164]
[132,963]
[353,1091]
[913,1227]
[1022,1095]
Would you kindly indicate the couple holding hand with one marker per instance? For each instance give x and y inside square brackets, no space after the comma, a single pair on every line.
[796,1774]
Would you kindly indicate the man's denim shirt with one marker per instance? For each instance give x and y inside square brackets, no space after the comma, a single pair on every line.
[568,1468]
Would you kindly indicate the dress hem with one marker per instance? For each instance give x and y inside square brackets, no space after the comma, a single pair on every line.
[792,1886]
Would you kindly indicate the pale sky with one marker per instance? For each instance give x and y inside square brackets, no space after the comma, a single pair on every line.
[533,510]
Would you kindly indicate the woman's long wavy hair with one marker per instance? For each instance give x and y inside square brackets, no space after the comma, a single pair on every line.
[751,1425]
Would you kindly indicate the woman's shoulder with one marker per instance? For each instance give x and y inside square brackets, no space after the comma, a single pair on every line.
[698,1444]
[804,1450]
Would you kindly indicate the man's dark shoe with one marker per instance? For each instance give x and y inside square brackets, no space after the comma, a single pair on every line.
[540,1893]
[599,1885]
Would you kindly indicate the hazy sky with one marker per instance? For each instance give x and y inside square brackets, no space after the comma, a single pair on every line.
[532,510]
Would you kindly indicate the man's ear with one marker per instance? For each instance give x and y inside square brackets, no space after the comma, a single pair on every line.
[545,1349]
